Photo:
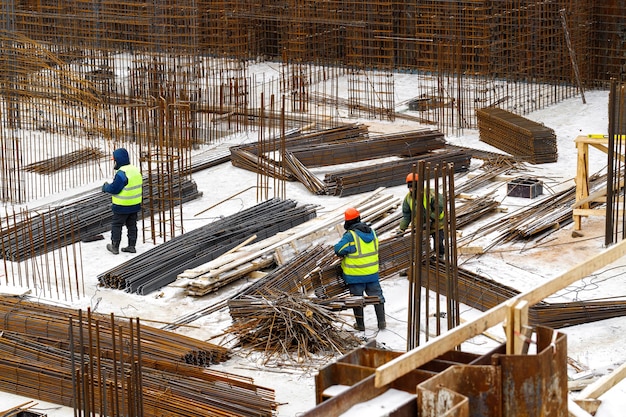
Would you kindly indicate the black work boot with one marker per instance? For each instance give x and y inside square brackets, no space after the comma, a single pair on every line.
[358,316]
[380,316]
[114,247]
[129,249]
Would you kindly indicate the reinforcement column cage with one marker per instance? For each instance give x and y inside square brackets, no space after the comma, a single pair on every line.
[426,259]
[615,192]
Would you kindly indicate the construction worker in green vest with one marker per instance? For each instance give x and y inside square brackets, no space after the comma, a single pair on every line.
[126,196]
[358,249]
[433,204]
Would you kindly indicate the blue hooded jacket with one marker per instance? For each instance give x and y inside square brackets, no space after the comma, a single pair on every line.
[121,158]
[346,246]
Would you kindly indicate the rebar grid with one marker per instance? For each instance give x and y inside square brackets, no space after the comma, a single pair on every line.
[99,74]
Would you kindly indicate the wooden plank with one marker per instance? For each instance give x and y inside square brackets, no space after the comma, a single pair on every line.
[520,324]
[604,383]
[589,212]
[402,365]
[257,249]
[470,250]
[575,410]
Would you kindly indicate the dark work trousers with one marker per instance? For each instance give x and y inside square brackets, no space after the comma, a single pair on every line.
[130,221]
[439,234]
[371,288]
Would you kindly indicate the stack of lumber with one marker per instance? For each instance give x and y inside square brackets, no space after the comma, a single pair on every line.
[282,247]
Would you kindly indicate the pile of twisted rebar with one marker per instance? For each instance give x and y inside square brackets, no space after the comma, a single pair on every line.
[283,325]
[275,314]
[160,266]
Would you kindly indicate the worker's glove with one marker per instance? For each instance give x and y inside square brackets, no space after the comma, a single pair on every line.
[339,271]
[104,187]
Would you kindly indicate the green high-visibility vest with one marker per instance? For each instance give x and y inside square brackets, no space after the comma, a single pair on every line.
[433,197]
[365,260]
[132,193]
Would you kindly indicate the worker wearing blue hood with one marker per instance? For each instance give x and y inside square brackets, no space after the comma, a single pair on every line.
[358,249]
[126,196]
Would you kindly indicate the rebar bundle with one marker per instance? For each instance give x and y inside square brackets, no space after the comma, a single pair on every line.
[302,152]
[535,220]
[483,293]
[160,266]
[109,366]
[252,157]
[521,137]
[51,165]
[38,231]
[389,174]
[405,144]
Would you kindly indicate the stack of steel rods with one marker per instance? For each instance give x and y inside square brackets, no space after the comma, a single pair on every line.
[405,144]
[517,135]
[303,175]
[49,323]
[389,174]
[49,166]
[94,369]
[483,293]
[490,170]
[474,209]
[537,219]
[37,232]
[308,151]
[558,315]
[160,266]
[250,157]
[209,159]
[245,158]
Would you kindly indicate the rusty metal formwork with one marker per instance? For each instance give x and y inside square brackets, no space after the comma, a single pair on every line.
[454,384]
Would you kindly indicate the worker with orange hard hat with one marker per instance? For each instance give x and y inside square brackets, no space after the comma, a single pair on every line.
[433,204]
[358,249]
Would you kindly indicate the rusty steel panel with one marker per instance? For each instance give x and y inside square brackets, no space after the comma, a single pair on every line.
[536,385]
[339,374]
[476,389]
[369,357]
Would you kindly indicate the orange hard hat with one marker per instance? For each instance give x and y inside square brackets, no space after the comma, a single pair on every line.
[411,177]
[351,214]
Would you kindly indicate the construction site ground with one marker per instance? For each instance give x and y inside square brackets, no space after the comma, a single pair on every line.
[595,349]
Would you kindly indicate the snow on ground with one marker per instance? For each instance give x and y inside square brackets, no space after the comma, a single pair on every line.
[599,346]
